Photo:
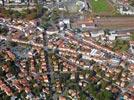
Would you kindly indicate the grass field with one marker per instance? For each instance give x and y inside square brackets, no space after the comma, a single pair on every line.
[101,6]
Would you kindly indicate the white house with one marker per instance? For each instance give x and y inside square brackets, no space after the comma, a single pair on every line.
[132,46]
[1,2]
[112,35]
[65,23]
[17,1]
[97,33]
[124,10]
[5,1]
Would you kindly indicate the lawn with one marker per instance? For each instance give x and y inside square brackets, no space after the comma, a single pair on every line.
[101,6]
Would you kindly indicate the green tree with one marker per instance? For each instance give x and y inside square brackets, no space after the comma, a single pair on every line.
[3,30]
[16,14]
[36,91]
[104,95]
[13,44]
[120,45]
[4,96]
[132,37]
[55,15]
[82,96]
[64,77]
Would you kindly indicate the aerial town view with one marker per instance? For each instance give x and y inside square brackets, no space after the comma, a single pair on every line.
[66,49]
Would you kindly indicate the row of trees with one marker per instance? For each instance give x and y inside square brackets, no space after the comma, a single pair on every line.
[28,2]
[24,14]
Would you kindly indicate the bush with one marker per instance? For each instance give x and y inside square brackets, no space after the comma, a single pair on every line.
[120,45]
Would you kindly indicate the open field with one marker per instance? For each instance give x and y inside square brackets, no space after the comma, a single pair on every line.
[102,7]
